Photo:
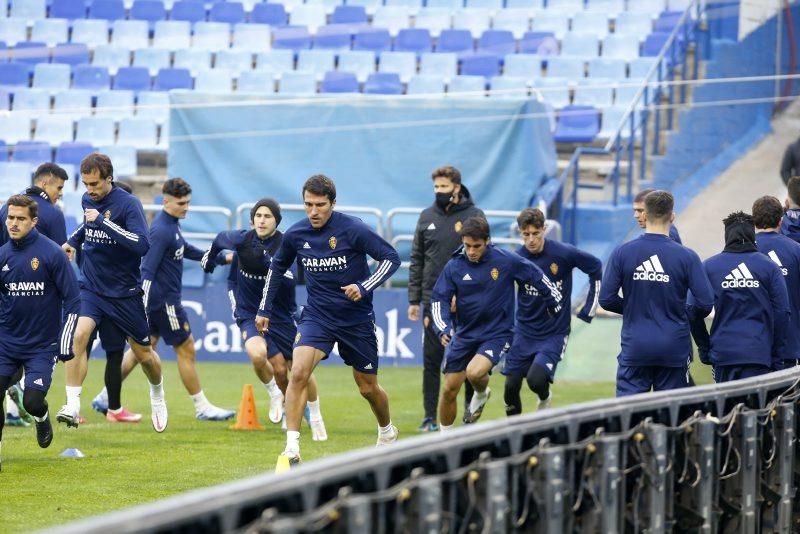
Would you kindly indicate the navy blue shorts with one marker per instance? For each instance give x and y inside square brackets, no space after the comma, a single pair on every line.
[524,351]
[633,379]
[727,373]
[358,344]
[458,353]
[38,368]
[279,339]
[127,313]
[170,323]
[112,338]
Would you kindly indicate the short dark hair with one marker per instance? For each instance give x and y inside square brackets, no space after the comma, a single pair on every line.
[476,228]
[658,205]
[24,201]
[449,172]
[530,217]
[641,194]
[49,169]
[99,162]
[273,206]
[738,217]
[125,186]
[321,185]
[767,212]
[794,189]
[176,187]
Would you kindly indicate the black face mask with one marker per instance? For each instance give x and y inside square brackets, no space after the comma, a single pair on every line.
[444,199]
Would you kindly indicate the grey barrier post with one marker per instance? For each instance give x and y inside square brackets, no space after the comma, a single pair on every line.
[658,496]
[552,485]
[495,497]
[427,507]
[705,493]
[776,515]
[608,459]
[357,513]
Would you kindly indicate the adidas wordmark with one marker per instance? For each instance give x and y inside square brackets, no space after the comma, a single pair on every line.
[740,277]
[651,270]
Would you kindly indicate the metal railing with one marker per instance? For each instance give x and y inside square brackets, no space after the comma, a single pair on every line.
[716,458]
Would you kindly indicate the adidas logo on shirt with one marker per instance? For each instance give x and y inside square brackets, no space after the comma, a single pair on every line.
[306,245]
[6,268]
[467,277]
[490,352]
[651,271]
[431,226]
[774,257]
[740,277]
[38,382]
[368,366]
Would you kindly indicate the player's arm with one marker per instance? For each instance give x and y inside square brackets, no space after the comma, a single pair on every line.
[191,252]
[697,326]
[281,262]
[779,301]
[232,283]
[74,241]
[59,230]
[699,289]
[592,266]
[228,240]
[366,240]
[528,272]
[133,236]
[67,286]
[443,292]
[612,283]
[416,267]
[159,241]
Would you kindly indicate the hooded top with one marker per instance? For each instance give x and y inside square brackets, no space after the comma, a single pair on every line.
[790,225]
[51,221]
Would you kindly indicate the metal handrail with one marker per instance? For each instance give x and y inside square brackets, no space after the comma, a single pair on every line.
[218,210]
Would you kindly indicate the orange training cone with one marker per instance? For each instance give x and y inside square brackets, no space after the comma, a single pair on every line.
[247,416]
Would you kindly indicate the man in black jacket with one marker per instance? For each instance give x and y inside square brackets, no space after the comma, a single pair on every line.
[790,166]
[435,239]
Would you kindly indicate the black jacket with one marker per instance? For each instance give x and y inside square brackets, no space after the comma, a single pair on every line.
[435,240]
[790,166]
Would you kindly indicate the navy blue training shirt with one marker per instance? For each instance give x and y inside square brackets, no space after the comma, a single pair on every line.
[785,253]
[51,220]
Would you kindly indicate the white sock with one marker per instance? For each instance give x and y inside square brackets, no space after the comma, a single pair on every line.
[477,400]
[445,428]
[387,430]
[313,409]
[200,401]
[41,419]
[103,394]
[272,388]
[293,441]
[115,411]
[157,390]
[74,398]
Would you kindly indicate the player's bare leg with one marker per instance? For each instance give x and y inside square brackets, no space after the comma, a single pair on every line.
[448,402]
[371,390]
[304,361]
[151,365]
[76,370]
[256,349]
[478,375]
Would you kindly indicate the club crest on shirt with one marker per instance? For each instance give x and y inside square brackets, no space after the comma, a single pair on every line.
[554,268]
[107,214]
[244,335]
[332,242]
[494,273]
[186,326]
[297,338]
[35,263]
[458,226]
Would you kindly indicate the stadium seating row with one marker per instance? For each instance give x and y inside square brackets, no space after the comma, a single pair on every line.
[52,130]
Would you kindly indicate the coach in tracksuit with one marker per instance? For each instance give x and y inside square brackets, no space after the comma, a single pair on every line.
[482,278]
[751,307]
[38,290]
[435,239]
[655,274]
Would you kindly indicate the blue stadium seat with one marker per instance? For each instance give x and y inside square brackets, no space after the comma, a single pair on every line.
[291,37]
[402,63]
[124,158]
[412,5]
[590,23]
[383,83]
[172,34]
[499,42]
[151,11]
[267,13]
[256,81]
[667,21]
[359,62]
[5,100]
[91,32]
[554,91]
[230,12]
[252,37]
[153,105]
[68,9]
[14,74]
[540,43]
[138,132]
[417,40]
[475,20]
[339,82]
[435,19]
[480,64]
[654,43]
[33,152]
[571,68]
[516,21]
[640,67]
[638,24]
[72,153]
[193,59]
[211,36]
[4,53]
[95,131]
[297,83]
[130,34]
[374,39]
[50,31]
[132,79]
[31,53]
[393,18]
[370,5]
[14,177]
[115,104]
[13,31]
[528,66]
[451,5]
[595,92]
[546,21]
[73,103]
[107,10]
[276,61]
[172,78]
[493,5]
[310,15]
[317,61]
[52,77]
[30,103]
[151,58]
[111,57]
[233,61]
[609,8]
[508,87]
[530,6]
[14,130]
[71,54]
[91,77]
[475,85]
[426,85]
[583,45]
[601,67]
[577,124]
[610,121]
[349,14]
[333,37]
[329,5]
[457,41]
[188,11]
[564,6]
[444,64]
[53,129]
[28,10]
[625,47]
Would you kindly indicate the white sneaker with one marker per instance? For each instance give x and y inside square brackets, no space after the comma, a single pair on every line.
[318,432]
[66,415]
[158,414]
[476,411]
[276,408]
[214,413]
[387,440]
[545,404]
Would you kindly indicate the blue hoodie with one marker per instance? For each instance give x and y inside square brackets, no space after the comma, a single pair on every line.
[785,252]
[790,225]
